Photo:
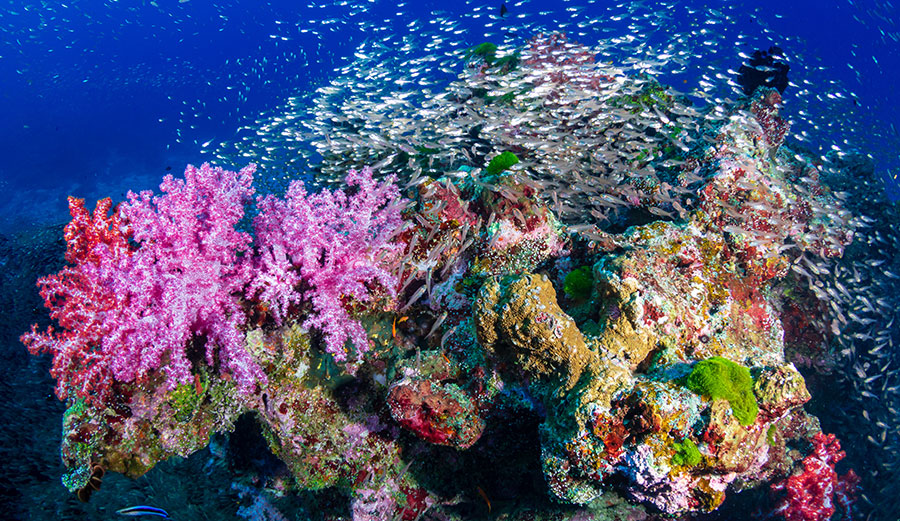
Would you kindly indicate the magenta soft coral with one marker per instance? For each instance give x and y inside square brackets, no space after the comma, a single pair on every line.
[162,273]
[326,247]
[812,494]
[185,281]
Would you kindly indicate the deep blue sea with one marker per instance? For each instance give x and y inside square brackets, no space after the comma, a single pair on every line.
[101,97]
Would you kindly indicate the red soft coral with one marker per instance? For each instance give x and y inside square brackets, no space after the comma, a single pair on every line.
[812,494]
[79,298]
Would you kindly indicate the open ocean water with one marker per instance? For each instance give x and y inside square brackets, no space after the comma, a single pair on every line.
[99,98]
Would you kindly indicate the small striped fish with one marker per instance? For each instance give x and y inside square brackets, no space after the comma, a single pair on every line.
[143,510]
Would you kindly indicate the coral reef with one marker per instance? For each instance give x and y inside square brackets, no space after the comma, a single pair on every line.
[364,327]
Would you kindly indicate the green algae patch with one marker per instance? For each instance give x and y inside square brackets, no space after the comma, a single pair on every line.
[501,162]
[687,454]
[186,398]
[720,378]
[578,283]
[486,51]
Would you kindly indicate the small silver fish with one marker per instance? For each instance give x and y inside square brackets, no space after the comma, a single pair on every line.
[437,324]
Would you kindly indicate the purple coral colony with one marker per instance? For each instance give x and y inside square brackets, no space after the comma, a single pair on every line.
[487,284]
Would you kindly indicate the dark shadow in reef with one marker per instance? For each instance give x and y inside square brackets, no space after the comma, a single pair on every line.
[499,475]
[252,463]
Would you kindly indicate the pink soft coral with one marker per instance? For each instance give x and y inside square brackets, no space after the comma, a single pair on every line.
[183,285]
[562,62]
[159,276]
[324,248]
[156,287]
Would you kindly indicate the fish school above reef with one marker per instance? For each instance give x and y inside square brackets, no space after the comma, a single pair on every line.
[383,331]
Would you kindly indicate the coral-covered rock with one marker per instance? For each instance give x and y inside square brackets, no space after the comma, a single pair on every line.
[780,389]
[519,321]
[679,292]
[680,307]
[324,442]
[147,425]
[440,413]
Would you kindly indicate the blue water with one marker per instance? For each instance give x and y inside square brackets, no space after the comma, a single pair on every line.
[92,93]
[101,97]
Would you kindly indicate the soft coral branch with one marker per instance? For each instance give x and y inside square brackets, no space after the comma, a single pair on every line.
[324,248]
[161,273]
[81,297]
[186,279]
[811,495]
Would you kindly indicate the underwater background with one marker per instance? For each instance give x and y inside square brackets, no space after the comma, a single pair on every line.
[99,98]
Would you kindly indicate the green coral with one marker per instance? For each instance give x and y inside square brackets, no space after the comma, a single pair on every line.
[720,378]
[509,62]
[578,283]
[76,409]
[687,454]
[501,162]
[653,94]
[770,435]
[185,399]
[486,51]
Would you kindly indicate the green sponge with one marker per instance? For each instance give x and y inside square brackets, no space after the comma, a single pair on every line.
[501,162]
[686,453]
[486,50]
[578,283]
[720,378]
